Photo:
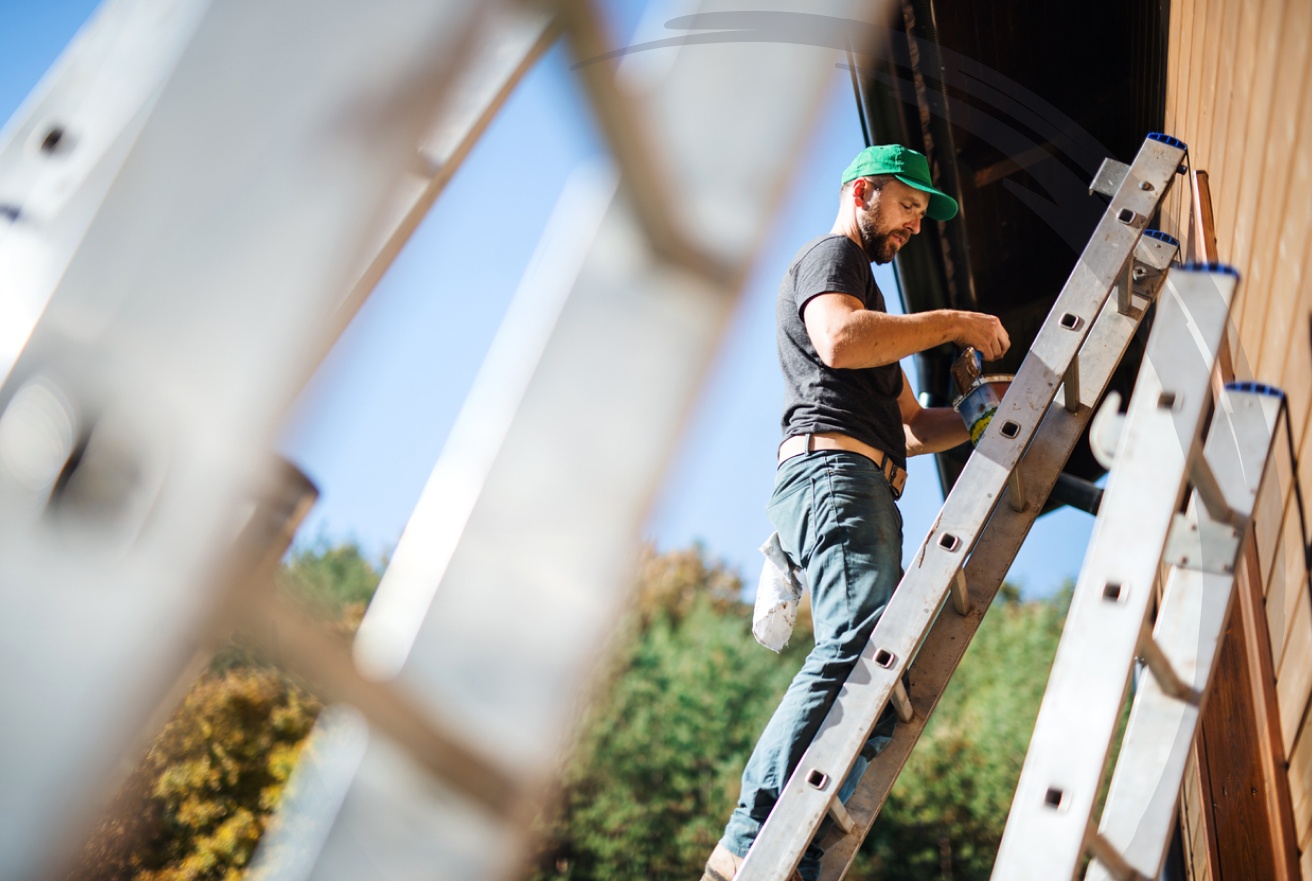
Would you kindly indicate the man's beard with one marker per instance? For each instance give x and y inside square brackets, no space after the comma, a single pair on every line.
[880,247]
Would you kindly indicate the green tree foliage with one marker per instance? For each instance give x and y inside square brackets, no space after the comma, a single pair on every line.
[195,807]
[657,768]
[945,815]
[333,578]
[656,771]
[657,764]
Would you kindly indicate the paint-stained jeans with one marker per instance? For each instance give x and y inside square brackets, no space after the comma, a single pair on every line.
[837,519]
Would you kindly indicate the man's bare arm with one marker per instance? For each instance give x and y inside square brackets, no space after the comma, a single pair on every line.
[848,336]
[929,429]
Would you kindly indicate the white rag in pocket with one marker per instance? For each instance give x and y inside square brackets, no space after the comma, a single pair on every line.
[778,591]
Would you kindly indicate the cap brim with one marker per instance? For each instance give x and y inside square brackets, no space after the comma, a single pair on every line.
[942,206]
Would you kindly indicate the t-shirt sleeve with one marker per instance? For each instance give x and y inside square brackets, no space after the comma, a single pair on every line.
[834,265]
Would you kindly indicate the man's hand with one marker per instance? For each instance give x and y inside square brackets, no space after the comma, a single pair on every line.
[984,332]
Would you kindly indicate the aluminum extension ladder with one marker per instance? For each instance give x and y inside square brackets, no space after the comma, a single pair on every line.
[1136,823]
[983,522]
[1161,448]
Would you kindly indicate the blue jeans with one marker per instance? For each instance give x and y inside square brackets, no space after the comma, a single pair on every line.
[836,517]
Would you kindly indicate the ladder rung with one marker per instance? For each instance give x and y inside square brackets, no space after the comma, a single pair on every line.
[961,596]
[1071,385]
[1016,490]
[903,703]
[1113,861]
[1211,496]
[1125,289]
[1163,671]
[839,814]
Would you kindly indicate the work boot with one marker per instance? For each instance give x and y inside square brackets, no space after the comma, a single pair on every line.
[723,866]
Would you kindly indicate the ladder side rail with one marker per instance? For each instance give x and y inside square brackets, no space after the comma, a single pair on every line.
[1049,821]
[1142,797]
[169,356]
[998,545]
[805,799]
[509,42]
[61,150]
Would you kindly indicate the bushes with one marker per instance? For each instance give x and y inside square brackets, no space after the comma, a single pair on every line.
[197,804]
[655,772]
[945,815]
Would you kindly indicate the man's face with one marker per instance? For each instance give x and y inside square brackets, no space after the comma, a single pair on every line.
[891,217]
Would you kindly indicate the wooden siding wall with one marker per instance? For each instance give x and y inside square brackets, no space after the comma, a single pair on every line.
[1238,95]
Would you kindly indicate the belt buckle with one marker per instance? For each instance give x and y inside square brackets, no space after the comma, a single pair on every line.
[891,474]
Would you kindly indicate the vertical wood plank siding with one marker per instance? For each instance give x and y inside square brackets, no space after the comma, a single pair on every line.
[1239,94]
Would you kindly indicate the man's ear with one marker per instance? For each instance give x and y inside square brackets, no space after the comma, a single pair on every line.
[861,191]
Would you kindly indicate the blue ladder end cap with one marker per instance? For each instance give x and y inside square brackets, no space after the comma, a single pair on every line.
[1167,139]
[1257,388]
[1162,237]
[1211,267]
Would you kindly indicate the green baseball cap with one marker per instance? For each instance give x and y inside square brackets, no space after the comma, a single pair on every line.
[907,166]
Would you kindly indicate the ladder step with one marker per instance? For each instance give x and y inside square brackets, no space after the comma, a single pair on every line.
[903,703]
[1161,668]
[1071,384]
[1113,861]
[1016,490]
[961,595]
[839,814]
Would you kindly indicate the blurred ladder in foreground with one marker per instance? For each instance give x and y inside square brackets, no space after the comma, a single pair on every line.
[1167,441]
[983,522]
[191,259]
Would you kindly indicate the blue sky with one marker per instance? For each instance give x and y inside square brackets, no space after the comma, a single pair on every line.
[371,424]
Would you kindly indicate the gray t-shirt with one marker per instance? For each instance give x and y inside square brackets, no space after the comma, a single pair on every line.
[859,403]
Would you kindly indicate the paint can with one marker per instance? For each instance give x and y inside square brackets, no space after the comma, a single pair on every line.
[978,406]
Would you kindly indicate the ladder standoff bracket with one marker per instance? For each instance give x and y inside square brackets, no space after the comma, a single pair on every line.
[1106,430]
[1204,545]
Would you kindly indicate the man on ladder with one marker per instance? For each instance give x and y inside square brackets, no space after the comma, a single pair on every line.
[850,422]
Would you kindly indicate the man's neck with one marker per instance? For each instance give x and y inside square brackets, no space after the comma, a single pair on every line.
[846,225]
